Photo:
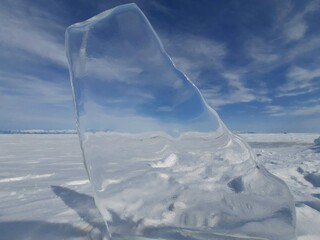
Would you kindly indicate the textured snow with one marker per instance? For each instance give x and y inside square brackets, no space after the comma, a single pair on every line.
[58,203]
[216,182]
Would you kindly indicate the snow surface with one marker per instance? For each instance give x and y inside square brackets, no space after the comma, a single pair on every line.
[45,193]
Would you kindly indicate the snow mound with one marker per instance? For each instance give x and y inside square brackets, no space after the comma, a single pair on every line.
[168,162]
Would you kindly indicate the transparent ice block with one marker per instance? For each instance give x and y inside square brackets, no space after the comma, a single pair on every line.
[161,162]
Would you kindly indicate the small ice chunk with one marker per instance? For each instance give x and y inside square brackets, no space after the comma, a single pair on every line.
[77,183]
[170,161]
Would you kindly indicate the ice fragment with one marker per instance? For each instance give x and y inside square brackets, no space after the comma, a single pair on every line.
[160,160]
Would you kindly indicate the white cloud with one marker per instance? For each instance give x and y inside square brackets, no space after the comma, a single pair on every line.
[192,54]
[277,111]
[308,45]
[307,110]
[300,81]
[20,31]
[291,43]
[237,92]
[30,96]
[33,90]
[159,6]
[303,75]
[27,101]
[108,69]
[296,28]
[274,110]
[262,52]
[314,100]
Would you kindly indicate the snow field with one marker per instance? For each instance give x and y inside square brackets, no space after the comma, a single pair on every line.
[45,194]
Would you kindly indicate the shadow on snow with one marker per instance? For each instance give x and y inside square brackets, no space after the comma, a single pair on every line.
[42,230]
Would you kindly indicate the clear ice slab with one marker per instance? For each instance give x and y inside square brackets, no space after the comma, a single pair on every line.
[161,162]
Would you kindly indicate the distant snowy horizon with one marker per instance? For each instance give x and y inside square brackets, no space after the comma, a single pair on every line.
[74,131]
[39,131]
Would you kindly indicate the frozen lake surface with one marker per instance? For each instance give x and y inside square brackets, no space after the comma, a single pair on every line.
[45,193]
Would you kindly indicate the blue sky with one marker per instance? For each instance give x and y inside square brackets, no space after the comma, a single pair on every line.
[256,62]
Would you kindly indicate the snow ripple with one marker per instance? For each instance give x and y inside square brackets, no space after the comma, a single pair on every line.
[27,177]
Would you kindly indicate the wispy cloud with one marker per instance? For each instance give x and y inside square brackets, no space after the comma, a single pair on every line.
[274,110]
[300,81]
[28,100]
[306,111]
[30,34]
[237,92]
[302,74]
[288,33]
[287,42]
[307,46]
[296,28]
[30,95]
[192,54]
[262,52]
[33,89]
[278,111]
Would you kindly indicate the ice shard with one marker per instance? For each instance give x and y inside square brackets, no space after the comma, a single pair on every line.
[161,162]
